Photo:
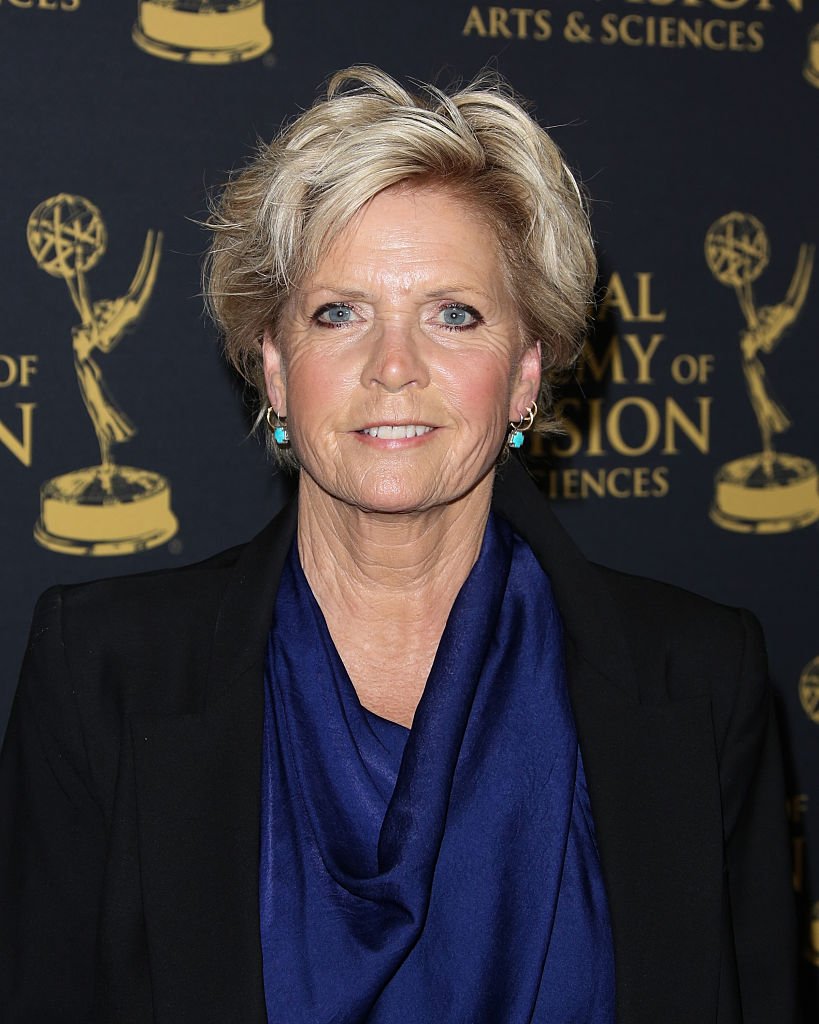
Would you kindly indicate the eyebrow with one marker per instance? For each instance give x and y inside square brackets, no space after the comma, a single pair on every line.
[454,289]
[350,293]
[355,293]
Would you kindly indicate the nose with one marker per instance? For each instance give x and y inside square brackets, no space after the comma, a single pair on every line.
[394,360]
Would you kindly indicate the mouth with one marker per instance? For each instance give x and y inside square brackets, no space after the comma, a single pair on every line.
[396,432]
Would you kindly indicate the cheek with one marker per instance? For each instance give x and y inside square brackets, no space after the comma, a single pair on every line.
[315,388]
[484,389]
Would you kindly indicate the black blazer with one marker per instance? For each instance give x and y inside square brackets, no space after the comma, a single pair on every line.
[129,792]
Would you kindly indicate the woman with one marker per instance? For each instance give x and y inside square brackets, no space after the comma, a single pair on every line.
[340,773]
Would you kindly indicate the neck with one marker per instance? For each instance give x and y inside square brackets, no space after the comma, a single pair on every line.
[349,554]
[386,584]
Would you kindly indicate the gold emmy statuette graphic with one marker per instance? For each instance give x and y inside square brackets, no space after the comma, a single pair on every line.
[809,689]
[202,31]
[811,68]
[106,509]
[766,492]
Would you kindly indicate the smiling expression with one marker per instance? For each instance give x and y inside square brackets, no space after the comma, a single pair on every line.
[399,362]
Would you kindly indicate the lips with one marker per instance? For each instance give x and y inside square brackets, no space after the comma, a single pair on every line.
[392,432]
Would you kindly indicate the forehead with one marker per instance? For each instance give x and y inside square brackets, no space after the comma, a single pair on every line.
[405,235]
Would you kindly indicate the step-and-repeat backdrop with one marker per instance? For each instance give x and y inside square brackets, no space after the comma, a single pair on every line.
[691,444]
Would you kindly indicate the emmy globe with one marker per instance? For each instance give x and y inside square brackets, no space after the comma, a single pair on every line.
[105,509]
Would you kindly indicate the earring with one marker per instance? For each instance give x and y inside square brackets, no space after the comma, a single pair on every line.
[518,429]
[279,427]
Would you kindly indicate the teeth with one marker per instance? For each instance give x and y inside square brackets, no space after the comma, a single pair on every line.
[390,433]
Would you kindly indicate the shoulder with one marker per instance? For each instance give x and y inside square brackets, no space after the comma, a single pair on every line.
[144,643]
[685,646]
[101,651]
[156,591]
[678,645]
[681,645]
[128,639]
[655,614]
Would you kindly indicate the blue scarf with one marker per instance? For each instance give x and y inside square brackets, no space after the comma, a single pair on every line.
[445,874]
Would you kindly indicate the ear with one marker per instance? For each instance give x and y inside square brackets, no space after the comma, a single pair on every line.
[274,373]
[526,383]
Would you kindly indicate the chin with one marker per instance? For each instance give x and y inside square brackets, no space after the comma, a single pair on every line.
[395,502]
[389,495]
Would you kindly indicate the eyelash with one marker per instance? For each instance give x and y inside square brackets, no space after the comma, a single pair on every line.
[477,318]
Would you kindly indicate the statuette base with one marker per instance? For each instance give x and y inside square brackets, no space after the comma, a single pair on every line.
[202,37]
[766,494]
[105,510]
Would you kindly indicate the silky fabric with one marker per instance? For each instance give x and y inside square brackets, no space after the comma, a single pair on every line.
[443,873]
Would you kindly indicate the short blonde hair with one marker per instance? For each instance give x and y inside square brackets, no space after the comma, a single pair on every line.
[275,218]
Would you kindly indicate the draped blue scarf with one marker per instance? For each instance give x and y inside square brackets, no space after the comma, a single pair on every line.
[444,874]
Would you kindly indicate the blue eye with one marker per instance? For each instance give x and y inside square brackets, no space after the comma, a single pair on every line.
[334,313]
[457,315]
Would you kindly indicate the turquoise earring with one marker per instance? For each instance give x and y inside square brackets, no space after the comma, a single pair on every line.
[278,427]
[518,429]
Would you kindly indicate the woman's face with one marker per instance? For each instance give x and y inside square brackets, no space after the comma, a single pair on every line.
[399,362]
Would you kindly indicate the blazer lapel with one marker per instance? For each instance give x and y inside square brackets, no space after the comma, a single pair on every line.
[198,791]
[654,789]
[653,786]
